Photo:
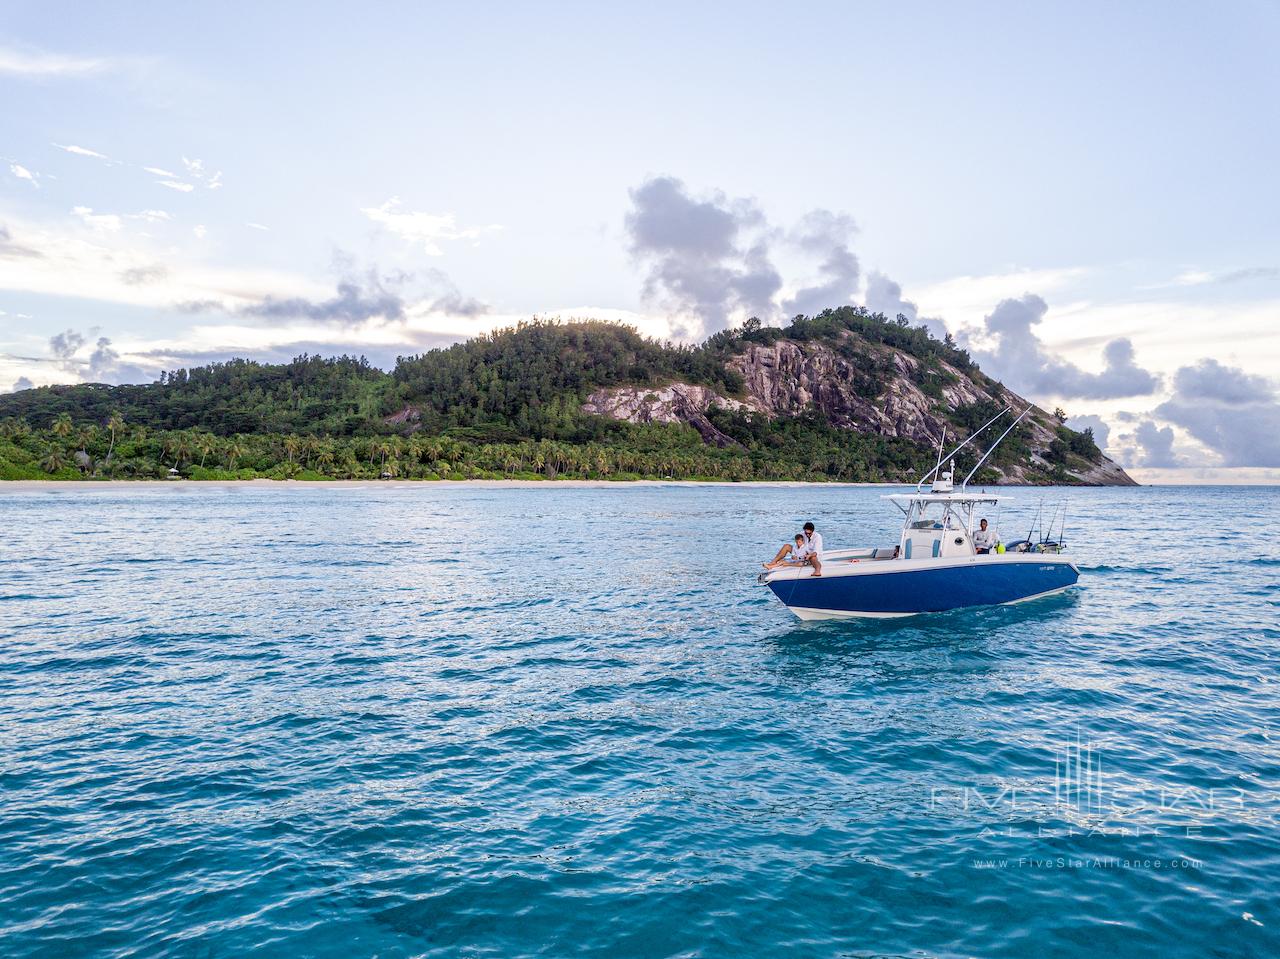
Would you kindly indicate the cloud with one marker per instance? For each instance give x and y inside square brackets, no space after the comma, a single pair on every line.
[137,275]
[200,231]
[1210,380]
[702,257]
[109,222]
[37,64]
[84,152]
[1101,431]
[10,249]
[351,305]
[23,383]
[22,173]
[826,234]
[160,171]
[112,222]
[363,297]
[65,345]
[177,185]
[1203,277]
[1155,446]
[103,364]
[883,295]
[1019,359]
[195,170]
[426,229]
[60,257]
[257,226]
[1233,413]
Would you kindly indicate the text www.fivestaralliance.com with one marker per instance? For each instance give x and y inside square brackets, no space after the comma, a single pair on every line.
[1078,862]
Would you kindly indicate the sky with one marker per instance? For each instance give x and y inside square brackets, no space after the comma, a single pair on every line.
[1085,196]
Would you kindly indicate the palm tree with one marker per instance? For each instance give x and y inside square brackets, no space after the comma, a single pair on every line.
[178,445]
[115,423]
[54,460]
[234,450]
[205,443]
[62,425]
[291,446]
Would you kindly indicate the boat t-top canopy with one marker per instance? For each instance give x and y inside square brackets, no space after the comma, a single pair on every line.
[944,497]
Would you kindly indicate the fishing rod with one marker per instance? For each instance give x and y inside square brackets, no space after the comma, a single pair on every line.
[978,464]
[972,437]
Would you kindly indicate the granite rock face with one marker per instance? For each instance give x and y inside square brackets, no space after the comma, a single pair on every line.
[787,378]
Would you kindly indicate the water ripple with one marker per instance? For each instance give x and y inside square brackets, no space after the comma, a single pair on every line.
[444,721]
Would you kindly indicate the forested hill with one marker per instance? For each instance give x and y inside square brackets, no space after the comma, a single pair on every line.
[844,395]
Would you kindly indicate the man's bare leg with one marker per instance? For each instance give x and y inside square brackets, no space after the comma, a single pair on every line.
[816,564]
[777,560]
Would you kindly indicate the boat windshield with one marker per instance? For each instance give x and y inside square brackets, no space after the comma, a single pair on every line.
[936,515]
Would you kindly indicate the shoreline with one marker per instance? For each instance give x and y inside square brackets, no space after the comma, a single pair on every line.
[28,485]
[409,484]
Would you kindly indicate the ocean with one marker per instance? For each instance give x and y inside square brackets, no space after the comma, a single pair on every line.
[445,720]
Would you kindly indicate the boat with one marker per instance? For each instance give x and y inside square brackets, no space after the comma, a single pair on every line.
[934,567]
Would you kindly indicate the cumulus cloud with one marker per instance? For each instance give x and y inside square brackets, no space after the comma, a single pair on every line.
[105,366]
[1233,413]
[1155,445]
[428,230]
[883,295]
[65,345]
[1019,359]
[1101,431]
[825,234]
[706,258]
[102,365]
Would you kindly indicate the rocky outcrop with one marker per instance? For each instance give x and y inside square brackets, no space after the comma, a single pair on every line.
[677,403]
[855,385]
[787,377]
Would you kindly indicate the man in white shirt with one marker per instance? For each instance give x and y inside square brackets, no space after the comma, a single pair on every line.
[983,538]
[806,552]
[812,551]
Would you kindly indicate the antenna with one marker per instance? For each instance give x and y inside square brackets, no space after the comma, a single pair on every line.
[978,464]
[951,455]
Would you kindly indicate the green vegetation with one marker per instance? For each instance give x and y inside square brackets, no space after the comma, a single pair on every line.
[503,405]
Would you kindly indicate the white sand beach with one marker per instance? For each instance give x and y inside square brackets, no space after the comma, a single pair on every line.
[53,485]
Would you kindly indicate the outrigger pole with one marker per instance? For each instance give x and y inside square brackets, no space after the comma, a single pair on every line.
[972,437]
[978,465]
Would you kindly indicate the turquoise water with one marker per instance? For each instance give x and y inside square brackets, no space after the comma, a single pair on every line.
[441,720]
